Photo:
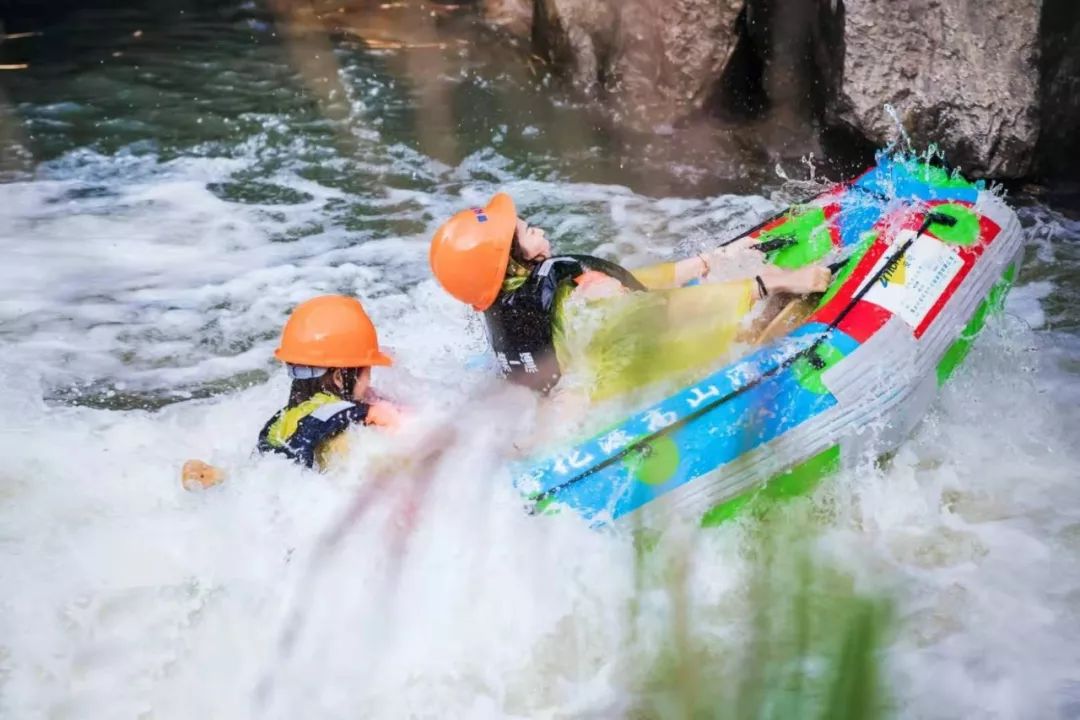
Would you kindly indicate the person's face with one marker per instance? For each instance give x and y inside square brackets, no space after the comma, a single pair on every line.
[363,382]
[532,241]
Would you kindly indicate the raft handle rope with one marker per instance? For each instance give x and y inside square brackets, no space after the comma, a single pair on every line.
[776,243]
[785,240]
[642,447]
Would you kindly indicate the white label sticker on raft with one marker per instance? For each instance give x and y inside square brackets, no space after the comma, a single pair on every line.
[917,281]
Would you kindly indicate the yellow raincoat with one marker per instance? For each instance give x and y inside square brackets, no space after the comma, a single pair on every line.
[617,345]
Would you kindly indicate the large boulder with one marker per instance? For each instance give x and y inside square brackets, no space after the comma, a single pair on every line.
[655,60]
[992,83]
[960,73]
[1059,141]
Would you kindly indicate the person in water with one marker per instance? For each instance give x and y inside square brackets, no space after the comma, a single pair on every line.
[329,346]
[504,268]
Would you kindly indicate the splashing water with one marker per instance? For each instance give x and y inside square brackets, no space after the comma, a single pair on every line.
[183,201]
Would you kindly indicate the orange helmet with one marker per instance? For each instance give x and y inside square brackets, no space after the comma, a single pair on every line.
[471,250]
[331,331]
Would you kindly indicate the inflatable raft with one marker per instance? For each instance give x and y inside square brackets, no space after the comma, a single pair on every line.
[924,257]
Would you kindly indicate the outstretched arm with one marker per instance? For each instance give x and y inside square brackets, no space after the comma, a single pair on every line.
[672,274]
[736,261]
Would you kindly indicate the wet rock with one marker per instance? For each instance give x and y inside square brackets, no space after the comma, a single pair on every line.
[1059,141]
[794,67]
[575,35]
[960,74]
[511,16]
[964,76]
[655,60]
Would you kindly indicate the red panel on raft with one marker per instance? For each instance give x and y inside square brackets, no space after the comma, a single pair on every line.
[832,210]
[864,319]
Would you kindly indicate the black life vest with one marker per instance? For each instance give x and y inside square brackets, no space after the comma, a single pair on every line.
[312,430]
[520,322]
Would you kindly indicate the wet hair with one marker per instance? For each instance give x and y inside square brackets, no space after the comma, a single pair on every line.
[303,390]
[518,262]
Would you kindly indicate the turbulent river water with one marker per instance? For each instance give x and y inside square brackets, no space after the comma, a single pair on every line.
[176,178]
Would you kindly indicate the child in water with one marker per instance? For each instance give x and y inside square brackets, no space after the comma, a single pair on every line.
[329,346]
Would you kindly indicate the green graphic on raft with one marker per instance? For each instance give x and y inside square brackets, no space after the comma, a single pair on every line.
[966,230]
[654,463]
[865,242]
[797,481]
[939,177]
[959,349]
[809,376]
[809,234]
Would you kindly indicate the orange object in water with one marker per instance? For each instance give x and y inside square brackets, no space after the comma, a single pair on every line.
[331,331]
[197,475]
[384,414]
[471,250]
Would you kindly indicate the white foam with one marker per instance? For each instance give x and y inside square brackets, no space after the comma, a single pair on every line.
[133,596]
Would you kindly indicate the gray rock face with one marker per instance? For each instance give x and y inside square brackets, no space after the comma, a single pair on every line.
[655,60]
[995,84]
[576,35]
[1059,141]
[960,73]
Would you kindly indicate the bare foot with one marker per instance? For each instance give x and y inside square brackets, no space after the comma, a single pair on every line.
[197,475]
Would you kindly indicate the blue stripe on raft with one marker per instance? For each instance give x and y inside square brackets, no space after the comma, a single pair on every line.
[859,211]
[898,180]
[744,422]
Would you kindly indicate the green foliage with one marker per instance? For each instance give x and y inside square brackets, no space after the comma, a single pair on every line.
[795,639]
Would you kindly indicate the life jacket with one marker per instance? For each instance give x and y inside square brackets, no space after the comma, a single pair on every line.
[519,323]
[298,432]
